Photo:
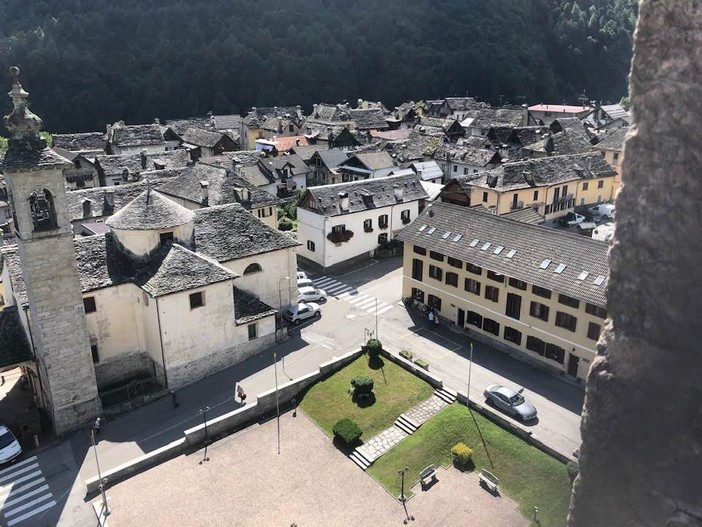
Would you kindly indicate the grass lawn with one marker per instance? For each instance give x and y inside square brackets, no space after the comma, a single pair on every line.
[526,474]
[396,391]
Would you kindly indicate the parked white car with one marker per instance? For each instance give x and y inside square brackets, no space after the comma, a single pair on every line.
[9,446]
[304,282]
[571,219]
[302,311]
[312,294]
[301,275]
[603,210]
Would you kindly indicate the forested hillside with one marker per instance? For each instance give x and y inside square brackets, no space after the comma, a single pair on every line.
[89,62]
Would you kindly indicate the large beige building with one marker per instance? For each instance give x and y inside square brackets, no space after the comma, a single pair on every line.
[528,289]
[612,147]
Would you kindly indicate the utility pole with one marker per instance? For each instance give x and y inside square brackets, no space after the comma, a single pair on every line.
[277,403]
[106,510]
[203,413]
[408,518]
[470,367]
[376,317]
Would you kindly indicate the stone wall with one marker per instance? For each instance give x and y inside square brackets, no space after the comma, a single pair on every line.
[640,462]
[116,371]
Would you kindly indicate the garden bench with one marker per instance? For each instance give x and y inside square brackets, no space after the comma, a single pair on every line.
[428,473]
[489,481]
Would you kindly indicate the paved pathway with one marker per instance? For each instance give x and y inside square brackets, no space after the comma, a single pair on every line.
[384,441]
[425,410]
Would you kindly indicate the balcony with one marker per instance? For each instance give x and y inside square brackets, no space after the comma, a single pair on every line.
[516,205]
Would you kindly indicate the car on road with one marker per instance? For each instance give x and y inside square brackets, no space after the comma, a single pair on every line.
[312,294]
[301,312]
[301,275]
[571,219]
[604,211]
[304,282]
[10,448]
[508,400]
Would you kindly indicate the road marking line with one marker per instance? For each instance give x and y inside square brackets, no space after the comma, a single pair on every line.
[366,303]
[347,294]
[341,291]
[17,465]
[22,488]
[380,307]
[31,513]
[25,496]
[321,281]
[23,478]
[385,310]
[14,511]
[359,298]
[336,288]
[33,466]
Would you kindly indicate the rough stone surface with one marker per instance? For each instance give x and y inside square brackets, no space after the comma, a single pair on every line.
[384,441]
[640,462]
[425,410]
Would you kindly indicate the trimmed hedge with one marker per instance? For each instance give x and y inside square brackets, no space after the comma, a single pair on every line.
[347,431]
[461,453]
[373,347]
[362,385]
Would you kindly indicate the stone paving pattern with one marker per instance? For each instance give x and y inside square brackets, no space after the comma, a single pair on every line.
[311,483]
[424,411]
[384,441]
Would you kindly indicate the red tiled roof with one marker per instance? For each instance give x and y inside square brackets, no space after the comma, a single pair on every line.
[558,108]
[283,144]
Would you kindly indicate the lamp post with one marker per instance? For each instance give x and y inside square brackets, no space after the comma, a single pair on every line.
[470,367]
[280,306]
[203,413]
[105,509]
[402,495]
[277,402]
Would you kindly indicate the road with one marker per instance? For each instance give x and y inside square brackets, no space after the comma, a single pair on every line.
[348,317]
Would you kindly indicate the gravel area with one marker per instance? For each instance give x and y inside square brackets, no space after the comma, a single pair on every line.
[311,483]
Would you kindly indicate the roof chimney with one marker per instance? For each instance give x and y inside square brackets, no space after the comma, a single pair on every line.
[205,186]
[399,193]
[344,201]
[110,198]
[143,159]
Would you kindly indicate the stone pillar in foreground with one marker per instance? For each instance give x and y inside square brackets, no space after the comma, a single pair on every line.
[641,458]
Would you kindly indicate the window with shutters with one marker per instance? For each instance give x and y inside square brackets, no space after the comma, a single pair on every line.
[475,269]
[593,331]
[539,310]
[514,306]
[598,311]
[541,291]
[569,301]
[452,279]
[491,326]
[518,284]
[472,286]
[513,335]
[435,272]
[566,321]
[492,293]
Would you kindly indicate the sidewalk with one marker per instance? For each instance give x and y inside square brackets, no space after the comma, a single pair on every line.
[158,423]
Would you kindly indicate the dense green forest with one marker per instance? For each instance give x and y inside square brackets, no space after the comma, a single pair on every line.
[91,62]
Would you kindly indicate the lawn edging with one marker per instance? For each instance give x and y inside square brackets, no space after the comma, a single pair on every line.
[221,426]
[436,382]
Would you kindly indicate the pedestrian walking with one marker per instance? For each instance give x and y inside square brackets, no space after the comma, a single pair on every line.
[431,317]
[242,395]
[96,426]
[174,399]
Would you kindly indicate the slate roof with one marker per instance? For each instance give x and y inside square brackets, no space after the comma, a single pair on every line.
[243,157]
[332,157]
[180,126]
[562,143]
[202,137]
[427,170]
[487,117]
[525,215]
[306,152]
[11,258]
[277,163]
[14,347]
[364,195]
[615,111]
[614,141]
[150,210]
[171,269]
[532,245]
[543,171]
[330,113]
[459,104]
[21,159]
[257,176]
[369,118]
[229,232]
[417,146]
[374,160]
[137,135]
[121,195]
[227,122]
[567,123]
[76,142]
[248,308]
[114,165]
[479,157]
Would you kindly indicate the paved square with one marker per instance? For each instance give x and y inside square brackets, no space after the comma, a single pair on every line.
[311,483]
[430,343]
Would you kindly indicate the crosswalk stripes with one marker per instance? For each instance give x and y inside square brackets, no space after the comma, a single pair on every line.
[351,295]
[23,491]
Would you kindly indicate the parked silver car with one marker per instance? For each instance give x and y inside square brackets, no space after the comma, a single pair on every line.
[508,400]
[312,294]
[302,311]
[9,446]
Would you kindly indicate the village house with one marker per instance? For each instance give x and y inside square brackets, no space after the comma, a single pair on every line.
[441,127]
[347,222]
[477,122]
[532,291]
[91,141]
[546,113]
[130,139]
[566,142]
[416,147]
[289,171]
[510,140]
[455,160]
[552,186]
[428,171]
[83,173]
[612,147]
[325,165]
[370,165]
[119,169]
[199,142]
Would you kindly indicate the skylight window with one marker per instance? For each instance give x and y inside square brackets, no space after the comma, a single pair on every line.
[599,280]
[498,249]
[446,235]
[545,264]
[485,247]
[511,254]
[432,230]
[457,237]
[474,242]
[560,268]
[583,275]
[422,228]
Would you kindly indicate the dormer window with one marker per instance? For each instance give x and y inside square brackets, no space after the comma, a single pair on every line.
[41,205]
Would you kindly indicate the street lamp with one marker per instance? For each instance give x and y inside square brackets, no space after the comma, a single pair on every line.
[402,495]
[203,413]
[280,305]
[106,510]
[277,402]
[470,367]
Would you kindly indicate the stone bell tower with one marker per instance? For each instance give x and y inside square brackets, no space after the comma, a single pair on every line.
[35,182]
